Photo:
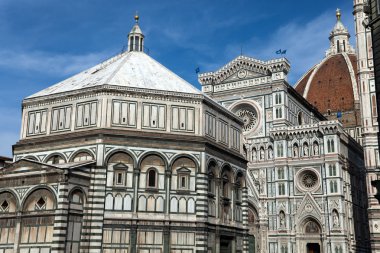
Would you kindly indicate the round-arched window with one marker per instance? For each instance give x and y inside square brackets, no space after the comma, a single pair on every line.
[308,179]
[249,118]
[249,115]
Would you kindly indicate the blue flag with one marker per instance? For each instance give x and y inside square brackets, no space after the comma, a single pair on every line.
[280,51]
[197,70]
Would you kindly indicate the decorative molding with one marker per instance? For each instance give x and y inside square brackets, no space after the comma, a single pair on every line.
[137,152]
[169,155]
[68,153]
[21,191]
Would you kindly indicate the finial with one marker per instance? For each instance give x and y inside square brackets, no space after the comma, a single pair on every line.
[137,17]
[338,15]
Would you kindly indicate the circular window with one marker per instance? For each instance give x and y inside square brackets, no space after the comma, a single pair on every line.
[249,118]
[249,112]
[308,179]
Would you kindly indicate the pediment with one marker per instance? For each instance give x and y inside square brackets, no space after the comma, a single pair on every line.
[242,74]
[183,170]
[120,166]
[308,207]
[26,165]
[241,68]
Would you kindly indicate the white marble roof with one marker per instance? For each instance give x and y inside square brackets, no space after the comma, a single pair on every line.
[129,69]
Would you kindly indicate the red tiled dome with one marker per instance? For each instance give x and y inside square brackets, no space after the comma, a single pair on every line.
[331,86]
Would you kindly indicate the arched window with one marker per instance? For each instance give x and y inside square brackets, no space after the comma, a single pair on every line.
[55,159]
[280,150]
[254,154]
[40,200]
[211,182]
[120,157]
[374,107]
[8,203]
[152,178]
[300,118]
[333,186]
[226,181]
[183,168]
[238,187]
[337,46]
[278,113]
[330,146]
[280,173]
[82,156]
[281,189]
[225,186]
[332,169]
[77,197]
[278,98]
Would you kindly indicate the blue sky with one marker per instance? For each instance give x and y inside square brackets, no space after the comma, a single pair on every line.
[45,41]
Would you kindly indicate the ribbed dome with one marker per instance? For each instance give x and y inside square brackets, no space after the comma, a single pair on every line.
[331,86]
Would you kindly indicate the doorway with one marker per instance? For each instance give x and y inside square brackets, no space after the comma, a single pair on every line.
[313,248]
[225,244]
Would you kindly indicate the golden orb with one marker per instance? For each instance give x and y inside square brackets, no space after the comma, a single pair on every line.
[137,18]
[338,15]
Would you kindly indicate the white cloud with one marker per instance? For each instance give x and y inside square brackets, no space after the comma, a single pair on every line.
[48,63]
[305,43]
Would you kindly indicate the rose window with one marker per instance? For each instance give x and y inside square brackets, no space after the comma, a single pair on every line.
[309,179]
[249,118]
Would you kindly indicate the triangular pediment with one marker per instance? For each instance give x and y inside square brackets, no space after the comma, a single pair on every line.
[308,207]
[183,170]
[242,74]
[241,68]
[28,166]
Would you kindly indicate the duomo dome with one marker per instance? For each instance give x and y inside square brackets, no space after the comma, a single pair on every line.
[332,85]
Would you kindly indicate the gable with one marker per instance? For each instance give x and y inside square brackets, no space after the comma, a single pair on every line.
[29,166]
[308,207]
[242,74]
[241,68]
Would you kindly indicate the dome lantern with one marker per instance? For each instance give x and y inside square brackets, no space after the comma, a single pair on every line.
[339,38]
[136,37]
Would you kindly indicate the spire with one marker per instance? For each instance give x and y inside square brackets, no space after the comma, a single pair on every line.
[339,37]
[136,37]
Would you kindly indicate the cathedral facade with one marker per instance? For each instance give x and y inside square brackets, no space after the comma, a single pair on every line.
[306,176]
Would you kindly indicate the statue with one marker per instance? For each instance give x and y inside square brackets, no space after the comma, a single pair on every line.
[270,153]
[335,219]
[254,154]
[262,154]
[295,151]
[305,149]
[282,219]
[316,148]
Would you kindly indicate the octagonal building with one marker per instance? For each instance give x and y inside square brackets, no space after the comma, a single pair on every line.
[125,157]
